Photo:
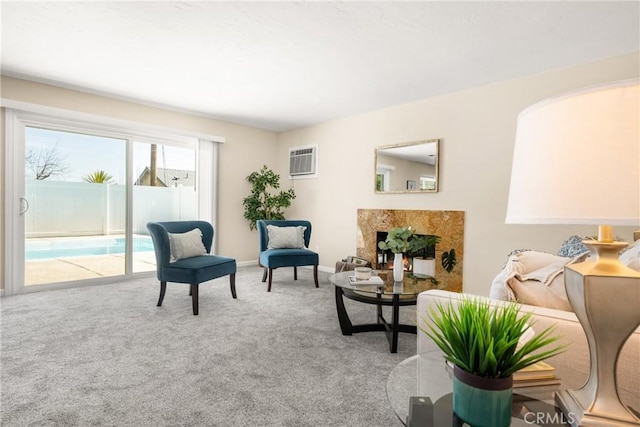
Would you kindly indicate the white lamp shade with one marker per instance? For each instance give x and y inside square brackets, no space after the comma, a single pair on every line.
[577,159]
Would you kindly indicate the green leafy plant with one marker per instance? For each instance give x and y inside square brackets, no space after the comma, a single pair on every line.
[262,203]
[98,177]
[484,340]
[404,239]
[449,260]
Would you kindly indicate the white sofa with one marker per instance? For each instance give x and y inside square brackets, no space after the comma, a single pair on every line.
[572,366]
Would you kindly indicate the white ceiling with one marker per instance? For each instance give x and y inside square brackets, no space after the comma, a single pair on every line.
[283,65]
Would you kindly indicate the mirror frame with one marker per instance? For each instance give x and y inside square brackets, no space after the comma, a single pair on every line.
[407,144]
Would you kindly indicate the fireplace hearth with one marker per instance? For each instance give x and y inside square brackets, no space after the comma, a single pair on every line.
[448,225]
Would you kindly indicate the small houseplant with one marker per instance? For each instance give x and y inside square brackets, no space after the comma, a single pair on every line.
[402,240]
[262,203]
[483,344]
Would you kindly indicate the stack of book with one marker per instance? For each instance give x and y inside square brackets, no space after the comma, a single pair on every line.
[372,281]
[538,374]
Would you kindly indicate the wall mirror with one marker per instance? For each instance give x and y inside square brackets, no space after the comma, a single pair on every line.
[410,167]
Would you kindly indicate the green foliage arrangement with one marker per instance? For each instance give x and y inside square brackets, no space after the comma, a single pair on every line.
[483,340]
[98,177]
[404,239]
[261,203]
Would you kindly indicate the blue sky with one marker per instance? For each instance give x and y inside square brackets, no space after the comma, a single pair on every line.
[84,154]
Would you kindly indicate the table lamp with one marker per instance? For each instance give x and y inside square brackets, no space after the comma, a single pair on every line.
[577,161]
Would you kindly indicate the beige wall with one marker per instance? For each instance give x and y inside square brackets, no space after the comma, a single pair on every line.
[246,150]
[477,129]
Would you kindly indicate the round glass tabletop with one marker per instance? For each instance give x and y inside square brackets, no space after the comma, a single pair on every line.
[410,286]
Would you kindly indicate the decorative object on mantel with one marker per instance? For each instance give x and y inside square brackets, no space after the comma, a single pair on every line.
[401,240]
[424,267]
[449,260]
[486,346]
[591,137]
[261,203]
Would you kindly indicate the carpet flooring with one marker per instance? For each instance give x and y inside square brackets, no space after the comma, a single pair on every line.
[107,356]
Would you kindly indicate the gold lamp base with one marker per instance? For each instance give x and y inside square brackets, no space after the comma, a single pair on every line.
[605,296]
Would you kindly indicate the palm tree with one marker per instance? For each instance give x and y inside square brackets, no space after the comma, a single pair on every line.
[98,177]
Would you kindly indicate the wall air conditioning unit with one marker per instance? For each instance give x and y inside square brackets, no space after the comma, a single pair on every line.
[303,162]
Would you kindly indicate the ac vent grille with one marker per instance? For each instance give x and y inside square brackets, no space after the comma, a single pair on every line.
[302,161]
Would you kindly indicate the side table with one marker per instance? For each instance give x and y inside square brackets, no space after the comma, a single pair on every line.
[419,390]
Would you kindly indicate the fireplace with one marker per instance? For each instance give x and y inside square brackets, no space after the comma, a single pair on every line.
[384,258]
[448,225]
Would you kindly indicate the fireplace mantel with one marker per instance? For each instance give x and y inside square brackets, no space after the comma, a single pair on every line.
[449,225]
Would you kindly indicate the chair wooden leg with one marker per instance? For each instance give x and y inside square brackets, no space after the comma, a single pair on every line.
[190,290]
[270,279]
[194,299]
[295,273]
[264,275]
[232,282]
[163,289]
[315,275]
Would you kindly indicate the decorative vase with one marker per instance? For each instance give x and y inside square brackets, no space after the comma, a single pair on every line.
[480,401]
[398,267]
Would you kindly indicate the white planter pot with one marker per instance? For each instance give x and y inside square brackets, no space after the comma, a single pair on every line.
[424,267]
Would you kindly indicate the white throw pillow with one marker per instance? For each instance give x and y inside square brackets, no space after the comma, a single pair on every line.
[285,237]
[186,245]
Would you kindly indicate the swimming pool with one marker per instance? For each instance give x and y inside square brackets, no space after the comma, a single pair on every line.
[39,249]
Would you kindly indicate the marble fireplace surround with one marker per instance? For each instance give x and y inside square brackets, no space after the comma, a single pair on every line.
[449,225]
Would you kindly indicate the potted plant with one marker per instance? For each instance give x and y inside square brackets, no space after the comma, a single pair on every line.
[262,203]
[401,240]
[484,345]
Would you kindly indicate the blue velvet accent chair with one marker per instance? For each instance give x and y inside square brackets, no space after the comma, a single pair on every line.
[271,259]
[193,270]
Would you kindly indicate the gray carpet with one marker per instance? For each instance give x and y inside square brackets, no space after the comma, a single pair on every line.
[106,355]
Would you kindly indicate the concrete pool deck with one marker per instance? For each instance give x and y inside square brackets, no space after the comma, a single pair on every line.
[39,272]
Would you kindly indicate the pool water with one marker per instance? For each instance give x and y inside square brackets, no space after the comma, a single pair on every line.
[38,249]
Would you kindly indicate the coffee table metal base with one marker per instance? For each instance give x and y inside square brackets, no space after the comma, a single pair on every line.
[391,329]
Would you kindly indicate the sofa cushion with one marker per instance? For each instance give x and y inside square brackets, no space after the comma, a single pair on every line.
[274,258]
[534,278]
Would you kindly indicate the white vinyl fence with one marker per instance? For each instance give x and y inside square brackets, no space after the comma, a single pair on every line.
[63,209]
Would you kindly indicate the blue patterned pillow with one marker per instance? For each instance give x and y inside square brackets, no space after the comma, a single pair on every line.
[572,247]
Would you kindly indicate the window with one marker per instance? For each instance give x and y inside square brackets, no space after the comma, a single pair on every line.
[85,196]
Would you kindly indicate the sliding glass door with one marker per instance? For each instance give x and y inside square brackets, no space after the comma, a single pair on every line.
[164,190]
[82,196]
[76,194]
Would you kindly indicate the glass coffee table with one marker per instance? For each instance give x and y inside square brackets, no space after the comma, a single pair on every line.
[394,294]
[419,390]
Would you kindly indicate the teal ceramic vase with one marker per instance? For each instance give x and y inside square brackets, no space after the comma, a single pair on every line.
[482,402]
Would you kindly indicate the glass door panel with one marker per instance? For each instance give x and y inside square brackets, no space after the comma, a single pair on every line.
[75,223]
[164,190]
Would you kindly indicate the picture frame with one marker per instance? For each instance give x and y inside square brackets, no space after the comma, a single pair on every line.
[411,185]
